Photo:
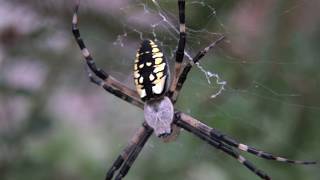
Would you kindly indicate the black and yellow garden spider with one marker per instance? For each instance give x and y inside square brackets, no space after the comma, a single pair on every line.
[156,95]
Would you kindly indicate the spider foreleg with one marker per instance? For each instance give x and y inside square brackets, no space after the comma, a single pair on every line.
[193,128]
[230,141]
[215,134]
[212,135]
[130,153]
[136,151]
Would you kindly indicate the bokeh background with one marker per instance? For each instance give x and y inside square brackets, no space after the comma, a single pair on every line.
[55,124]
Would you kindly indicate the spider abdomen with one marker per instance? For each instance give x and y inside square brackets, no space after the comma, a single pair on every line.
[150,71]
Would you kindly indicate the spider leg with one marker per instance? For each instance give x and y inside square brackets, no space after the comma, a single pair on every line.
[118,93]
[183,75]
[181,46]
[110,83]
[265,155]
[85,52]
[132,157]
[130,153]
[218,136]
[193,128]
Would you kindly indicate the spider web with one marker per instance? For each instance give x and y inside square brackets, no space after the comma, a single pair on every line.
[165,22]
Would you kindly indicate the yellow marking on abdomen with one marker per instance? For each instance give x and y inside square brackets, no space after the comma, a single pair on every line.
[158,61]
[159,74]
[159,68]
[158,87]
[155,50]
[151,77]
[136,74]
[157,55]
[141,80]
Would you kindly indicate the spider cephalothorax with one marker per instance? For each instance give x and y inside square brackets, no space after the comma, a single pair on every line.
[159,115]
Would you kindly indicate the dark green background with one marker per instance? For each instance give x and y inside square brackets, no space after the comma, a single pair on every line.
[68,128]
